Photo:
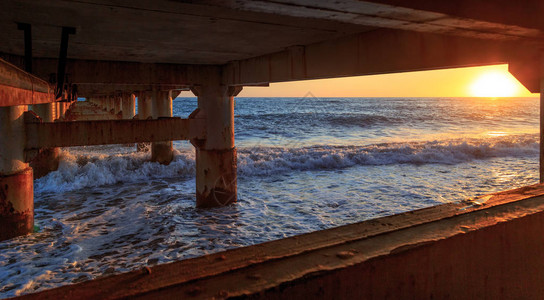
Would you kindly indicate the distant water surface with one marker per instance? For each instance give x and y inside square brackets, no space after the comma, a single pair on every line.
[304,164]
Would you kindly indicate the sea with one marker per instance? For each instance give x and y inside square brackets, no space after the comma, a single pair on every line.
[304,164]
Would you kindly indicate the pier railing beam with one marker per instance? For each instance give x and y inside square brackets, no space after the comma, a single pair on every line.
[47,160]
[216,181]
[162,152]
[16,182]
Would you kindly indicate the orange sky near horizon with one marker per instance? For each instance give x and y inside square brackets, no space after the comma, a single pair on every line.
[436,83]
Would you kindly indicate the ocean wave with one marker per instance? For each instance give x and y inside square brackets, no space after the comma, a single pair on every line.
[79,169]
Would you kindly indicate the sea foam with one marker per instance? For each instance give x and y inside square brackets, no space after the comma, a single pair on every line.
[79,169]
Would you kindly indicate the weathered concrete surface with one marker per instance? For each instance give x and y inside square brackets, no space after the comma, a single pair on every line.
[47,160]
[295,40]
[85,111]
[216,179]
[195,32]
[161,105]
[16,204]
[117,105]
[144,113]
[128,106]
[18,87]
[486,248]
[16,193]
[101,132]
[12,140]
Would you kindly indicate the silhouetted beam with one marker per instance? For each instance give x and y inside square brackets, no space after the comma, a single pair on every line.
[377,52]
[81,133]
[18,87]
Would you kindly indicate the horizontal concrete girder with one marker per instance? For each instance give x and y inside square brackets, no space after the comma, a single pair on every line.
[18,87]
[81,133]
[377,52]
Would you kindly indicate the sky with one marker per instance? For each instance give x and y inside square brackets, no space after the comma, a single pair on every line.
[489,81]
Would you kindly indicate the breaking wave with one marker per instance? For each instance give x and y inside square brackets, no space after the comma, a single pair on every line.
[79,169]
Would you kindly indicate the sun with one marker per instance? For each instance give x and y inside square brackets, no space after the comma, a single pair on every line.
[493,84]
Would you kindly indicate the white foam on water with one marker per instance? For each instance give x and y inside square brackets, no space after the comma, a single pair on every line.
[81,169]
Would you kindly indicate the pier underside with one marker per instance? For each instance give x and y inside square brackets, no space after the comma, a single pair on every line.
[117,53]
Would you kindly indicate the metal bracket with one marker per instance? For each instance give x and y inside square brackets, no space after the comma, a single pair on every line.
[61,70]
[27,28]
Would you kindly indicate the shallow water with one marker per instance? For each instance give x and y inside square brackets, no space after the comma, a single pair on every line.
[304,164]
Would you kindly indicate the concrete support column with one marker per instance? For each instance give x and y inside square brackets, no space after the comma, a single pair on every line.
[47,159]
[117,104]
[216,181]
[144,113]
[161,152]
[129,108]
[109,102]
[57,110]
[16,182]
[145,106]
[61,109]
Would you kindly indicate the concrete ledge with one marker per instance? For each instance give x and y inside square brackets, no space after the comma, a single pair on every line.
[490,247]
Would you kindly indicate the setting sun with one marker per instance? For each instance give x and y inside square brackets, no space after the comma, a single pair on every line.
[493,84]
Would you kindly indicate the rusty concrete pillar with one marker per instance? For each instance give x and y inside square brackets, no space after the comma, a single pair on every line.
[109,103]
[61,106]
[105,103]
[117,104]
[16,185]
[144,113]
[145,106]
[128,105]
[216,181]
[161,152]
[47,159]
[57,110]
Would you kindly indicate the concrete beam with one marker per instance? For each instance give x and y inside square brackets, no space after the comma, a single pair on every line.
[491,246]
[526,68]
[18,87]
[81,133]
[376,52]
